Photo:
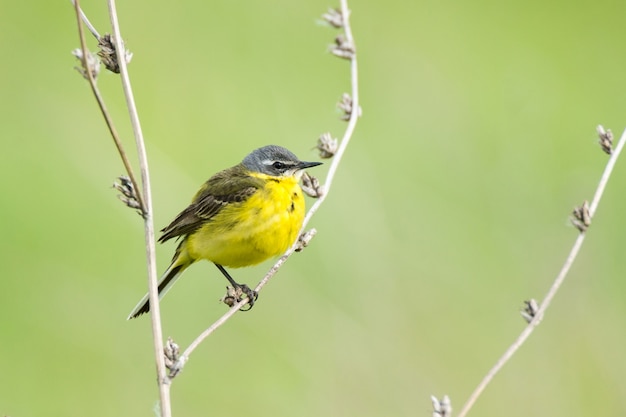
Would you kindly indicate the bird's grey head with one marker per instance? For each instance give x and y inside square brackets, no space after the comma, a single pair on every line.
[275,161]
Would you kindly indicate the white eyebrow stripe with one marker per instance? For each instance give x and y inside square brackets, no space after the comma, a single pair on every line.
[271,161]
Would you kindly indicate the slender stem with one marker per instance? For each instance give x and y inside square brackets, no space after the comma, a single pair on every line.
[206,333]
[354,116]
[103,108]
[234,309]
[157,334]
[329,178]
[91,27]
[528,330]
[606,175]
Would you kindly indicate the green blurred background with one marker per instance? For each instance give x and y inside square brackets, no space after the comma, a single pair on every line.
[449,210]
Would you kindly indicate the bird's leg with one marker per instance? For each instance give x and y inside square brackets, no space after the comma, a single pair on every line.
[251,294]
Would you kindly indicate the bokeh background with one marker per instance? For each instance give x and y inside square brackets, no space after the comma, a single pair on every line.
[450,209]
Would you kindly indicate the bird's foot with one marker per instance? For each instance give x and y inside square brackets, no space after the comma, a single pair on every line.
[235,294]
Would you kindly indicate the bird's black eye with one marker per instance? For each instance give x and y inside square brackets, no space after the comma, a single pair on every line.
[278,165]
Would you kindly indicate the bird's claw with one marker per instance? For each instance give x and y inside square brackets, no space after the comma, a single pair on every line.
[235,294]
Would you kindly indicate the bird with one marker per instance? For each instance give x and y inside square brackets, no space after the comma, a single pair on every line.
[240,217]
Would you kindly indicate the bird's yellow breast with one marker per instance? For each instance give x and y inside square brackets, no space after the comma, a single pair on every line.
[246,233]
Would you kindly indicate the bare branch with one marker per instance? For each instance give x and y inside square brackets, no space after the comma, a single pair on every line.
[129,188]
[352,121]
[539,313]
[157,333]
[86,21]
[88,72]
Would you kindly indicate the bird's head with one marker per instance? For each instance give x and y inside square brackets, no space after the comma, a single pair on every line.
[276,161]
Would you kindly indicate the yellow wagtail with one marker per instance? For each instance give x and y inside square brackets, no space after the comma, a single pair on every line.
[240,217]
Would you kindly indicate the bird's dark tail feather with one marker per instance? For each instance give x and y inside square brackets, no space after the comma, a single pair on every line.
[165,283]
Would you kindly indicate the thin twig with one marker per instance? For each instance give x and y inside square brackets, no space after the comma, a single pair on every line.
[553,289]
[91,27]
[157,333]
[354,115]
[103,108]
[234,309]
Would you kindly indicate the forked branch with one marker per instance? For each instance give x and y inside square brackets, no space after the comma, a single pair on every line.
[140,196]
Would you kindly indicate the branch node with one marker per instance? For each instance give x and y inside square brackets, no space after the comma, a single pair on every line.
[311,186]
[334,18]
[305,239]
[232,295]
[235,295]
[581,217]
[531,307]
[108,55]
[129,194]
[327,145]
[346,106]
[441,408]
[605,139]
[92,62]
[343,48]
[171,351]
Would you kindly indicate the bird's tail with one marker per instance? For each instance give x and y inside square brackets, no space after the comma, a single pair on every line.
[179,264]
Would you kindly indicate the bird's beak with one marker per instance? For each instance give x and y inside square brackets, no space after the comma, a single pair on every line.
[305,165]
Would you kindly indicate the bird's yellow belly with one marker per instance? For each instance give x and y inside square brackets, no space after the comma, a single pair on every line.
[246,233]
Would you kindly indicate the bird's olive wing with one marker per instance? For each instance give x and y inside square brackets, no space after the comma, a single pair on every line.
[224,188]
